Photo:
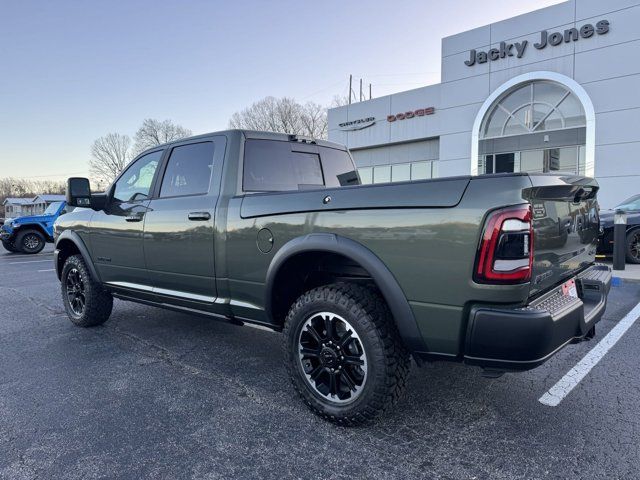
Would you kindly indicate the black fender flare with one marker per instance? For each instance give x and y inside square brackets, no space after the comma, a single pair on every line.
[73,237]
[32,226]
[383,278]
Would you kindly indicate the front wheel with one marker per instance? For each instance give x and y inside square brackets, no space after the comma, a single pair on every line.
[30,241]
[9,247]
[87,304]
[343,353]
[633,246]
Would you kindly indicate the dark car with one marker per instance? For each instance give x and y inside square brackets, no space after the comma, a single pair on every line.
[632,241]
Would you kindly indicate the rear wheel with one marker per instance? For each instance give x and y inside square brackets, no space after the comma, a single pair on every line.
[633,246]
[343,353]
[9,247]
[87,304]
[30,241]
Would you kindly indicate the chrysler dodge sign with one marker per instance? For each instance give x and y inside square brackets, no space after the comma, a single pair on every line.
[547,38]
[420,112]
[358,124]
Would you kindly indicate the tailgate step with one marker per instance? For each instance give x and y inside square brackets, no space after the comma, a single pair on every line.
[555,303]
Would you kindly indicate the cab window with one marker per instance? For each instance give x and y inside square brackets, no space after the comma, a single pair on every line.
[338,168]
[136,182]
[274,166]
[188,170]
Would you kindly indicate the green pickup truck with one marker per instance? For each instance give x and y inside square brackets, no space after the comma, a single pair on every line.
[276,230]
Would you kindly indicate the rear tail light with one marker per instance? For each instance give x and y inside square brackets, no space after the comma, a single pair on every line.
[506,248]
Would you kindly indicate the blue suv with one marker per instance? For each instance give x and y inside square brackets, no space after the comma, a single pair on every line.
[30,234]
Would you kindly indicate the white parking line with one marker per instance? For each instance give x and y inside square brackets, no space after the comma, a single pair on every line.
[9,256]
[560,390]
[29,261]
[47,270]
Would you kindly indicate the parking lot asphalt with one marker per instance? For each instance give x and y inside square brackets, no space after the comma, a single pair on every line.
[157,394]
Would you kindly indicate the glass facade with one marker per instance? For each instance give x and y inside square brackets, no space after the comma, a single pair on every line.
[538,126]
[564,160]
[399,172]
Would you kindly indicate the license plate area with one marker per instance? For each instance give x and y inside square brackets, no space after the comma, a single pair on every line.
[561,299]
[569,289]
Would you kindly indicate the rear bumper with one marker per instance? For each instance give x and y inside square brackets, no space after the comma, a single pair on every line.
[523,338]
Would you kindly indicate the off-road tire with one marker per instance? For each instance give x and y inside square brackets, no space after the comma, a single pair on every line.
[9,247]
[388,360]
[633,244]
[25,238]
[98,303]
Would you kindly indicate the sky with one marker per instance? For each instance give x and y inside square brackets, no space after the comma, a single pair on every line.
[72,71]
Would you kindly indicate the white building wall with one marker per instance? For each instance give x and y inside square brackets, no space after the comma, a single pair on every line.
[606,66]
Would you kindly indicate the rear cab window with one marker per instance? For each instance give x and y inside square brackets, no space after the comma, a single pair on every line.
[280,166]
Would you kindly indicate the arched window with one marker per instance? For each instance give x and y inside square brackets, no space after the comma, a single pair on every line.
[537,126]
[534,107]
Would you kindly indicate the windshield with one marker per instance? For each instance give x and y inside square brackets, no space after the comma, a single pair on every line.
[53,208]
[629,204]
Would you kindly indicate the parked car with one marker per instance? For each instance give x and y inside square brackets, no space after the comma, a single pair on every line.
[632,240]
[276,230]
[29,234]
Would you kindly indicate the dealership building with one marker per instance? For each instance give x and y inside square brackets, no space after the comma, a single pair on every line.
[554,90]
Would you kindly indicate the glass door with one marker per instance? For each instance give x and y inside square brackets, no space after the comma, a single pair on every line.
[499,163]
[561,160]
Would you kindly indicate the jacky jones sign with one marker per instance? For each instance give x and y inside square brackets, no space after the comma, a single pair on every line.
[554,39]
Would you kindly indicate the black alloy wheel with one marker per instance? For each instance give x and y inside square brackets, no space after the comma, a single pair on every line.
[332,357]
[85,300]
[30,241]
[75,291]
[633,246]
[343,353]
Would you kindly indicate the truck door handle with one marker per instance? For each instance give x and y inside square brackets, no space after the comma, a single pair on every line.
[134,218]
[196,216]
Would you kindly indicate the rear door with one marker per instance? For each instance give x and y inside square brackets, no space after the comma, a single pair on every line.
[179,225]
[565,223]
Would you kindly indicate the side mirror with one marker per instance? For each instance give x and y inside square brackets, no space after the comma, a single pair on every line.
[79,194]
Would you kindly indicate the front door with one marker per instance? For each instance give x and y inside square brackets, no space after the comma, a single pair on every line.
[116,233]
[179,225]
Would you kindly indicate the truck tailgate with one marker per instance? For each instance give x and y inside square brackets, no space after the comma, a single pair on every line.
[565,223]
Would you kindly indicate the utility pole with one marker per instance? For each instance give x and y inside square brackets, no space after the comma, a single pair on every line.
[350,87]
[360,89]
[369,91]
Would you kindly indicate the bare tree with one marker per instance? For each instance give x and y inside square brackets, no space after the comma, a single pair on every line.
[109,155]
[154,132]
[27,188]
[340,100]
[283,115]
